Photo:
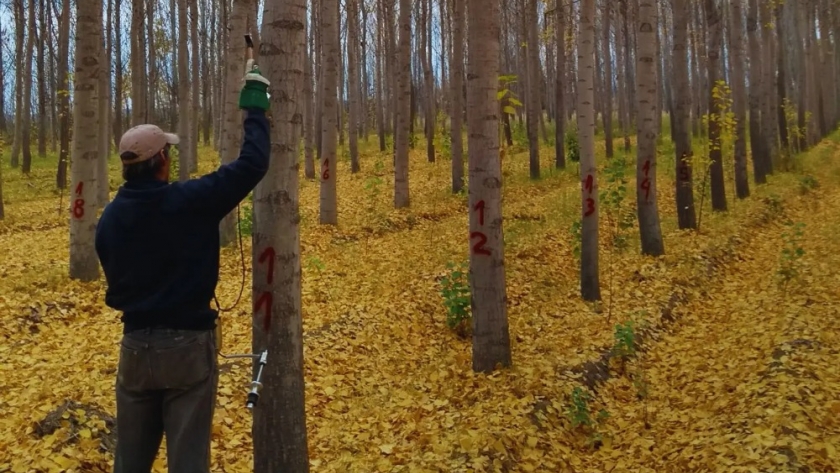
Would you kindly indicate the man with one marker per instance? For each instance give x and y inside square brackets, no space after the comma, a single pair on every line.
[159,248]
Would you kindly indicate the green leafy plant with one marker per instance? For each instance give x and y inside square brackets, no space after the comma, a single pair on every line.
[578,413]
[807,184]
[572,145]
[620,217]
[790,264]
[625,340]
[246,217]
[455,291]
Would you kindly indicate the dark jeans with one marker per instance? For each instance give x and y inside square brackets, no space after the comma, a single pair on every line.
[166,382]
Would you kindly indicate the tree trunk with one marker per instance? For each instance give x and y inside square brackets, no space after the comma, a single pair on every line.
[102,189]
[608,82]
[560,90]
[647,108]
[138,64]
[309,109]
[84,264]
[811,60]
[757,145]
[827,68]
[231,129]
[329,129]
[781,82]
[63,94]
[428,82]
[491,339]
[184,126]
[628,72]
[739,96]
[715,28]
[404,96]
[42,80]
[195,80]
[353,82]
[381,125]
[26,115]
[279,428]
[118,77]
[590,287]
[20,30]
[3,124]
[457,82]
[769,126]
[681,119]
[532,68]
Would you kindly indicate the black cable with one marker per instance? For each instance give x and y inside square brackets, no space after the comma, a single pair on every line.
[242,259]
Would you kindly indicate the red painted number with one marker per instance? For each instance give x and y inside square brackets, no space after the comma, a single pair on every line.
[266,298]
[589,183]
[646,187]
[268,255]
[646,167]
[79,208]
[325,172]
[79,187]
[478,248]
[479,206]
[590,207]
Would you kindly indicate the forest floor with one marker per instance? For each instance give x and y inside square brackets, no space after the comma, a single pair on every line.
[722,355]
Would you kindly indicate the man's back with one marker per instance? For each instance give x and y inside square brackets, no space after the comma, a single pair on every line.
[159,243]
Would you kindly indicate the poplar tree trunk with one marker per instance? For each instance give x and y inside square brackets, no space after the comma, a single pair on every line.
[353,82]
[138,64]
[532,62]
[811,60]
[403,102]
[681,121]
[381,125]
[102,189]
[42,80]
[590,287]
[185,150]
[63,94]
[560,90]
[118,77]
[309,108]
[19,38]
[491,339]
[827,68]
[715,28]
[84,263]
[608,81]
[26,112]
[647,108]
[457,82]
[329,128]
[770,128]
[3,124]
[739,97]
[428,81]
[279,428]
[757,146]
[231,130]
[195,79]
[152,74]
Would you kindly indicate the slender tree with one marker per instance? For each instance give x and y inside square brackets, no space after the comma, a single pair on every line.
[491,339]
[532,69]
[26,110]
[84,264]
[138,63]
[560,87]
[184,99]
[280,419]
[329,128]
[681,122]
[232,128]
[590,287]
[739,95]
[403,108]
[457,84]
[647,107]
[608,79]
[63,94]
[104,91]
[354,87]
[713,20]
[758,147]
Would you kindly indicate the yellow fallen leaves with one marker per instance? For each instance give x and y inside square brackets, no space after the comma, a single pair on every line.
[390,389]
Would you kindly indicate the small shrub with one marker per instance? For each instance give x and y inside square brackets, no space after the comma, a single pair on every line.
[807,184]
[572,145]
[625,340]
[792,253]
[455,291]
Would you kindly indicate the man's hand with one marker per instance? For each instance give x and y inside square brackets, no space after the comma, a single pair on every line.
[254,93]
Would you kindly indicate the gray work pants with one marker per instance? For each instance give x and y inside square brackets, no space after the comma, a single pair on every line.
[166,382]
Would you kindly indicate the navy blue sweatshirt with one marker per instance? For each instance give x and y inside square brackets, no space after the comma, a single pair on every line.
[159,242]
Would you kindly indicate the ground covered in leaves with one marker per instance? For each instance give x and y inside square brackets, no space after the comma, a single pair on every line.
[722,355]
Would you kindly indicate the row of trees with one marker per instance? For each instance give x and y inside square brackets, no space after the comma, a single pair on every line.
[603,63]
